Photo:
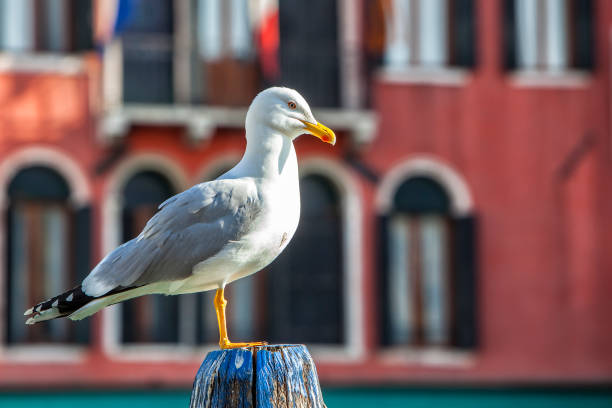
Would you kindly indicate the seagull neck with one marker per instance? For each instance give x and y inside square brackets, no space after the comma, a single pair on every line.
[271,156]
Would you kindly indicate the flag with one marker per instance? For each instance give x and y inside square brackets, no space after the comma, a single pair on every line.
[265,22]
[110,18]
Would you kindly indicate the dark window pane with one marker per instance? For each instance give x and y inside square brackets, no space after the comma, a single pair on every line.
[147,41]
[38,183]
[308,51]
[82,25]
[304,291]
[82,241]
[150,318]
[421,195]
[462,33]
[465,323]
[147,188]
[509,34]
[583,41]
[207,331]
[51,26]
[147,70]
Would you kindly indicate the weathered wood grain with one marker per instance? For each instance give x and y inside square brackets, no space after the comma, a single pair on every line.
[224,380]
[262,377]
[286,377]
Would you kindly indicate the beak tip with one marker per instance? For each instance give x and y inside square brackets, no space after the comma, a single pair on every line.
[321,131]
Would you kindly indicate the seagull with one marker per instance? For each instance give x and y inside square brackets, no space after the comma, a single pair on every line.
[215,232]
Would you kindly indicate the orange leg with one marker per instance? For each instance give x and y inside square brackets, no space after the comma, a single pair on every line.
[224,341]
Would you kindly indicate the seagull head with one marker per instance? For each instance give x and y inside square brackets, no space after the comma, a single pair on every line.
[286,111]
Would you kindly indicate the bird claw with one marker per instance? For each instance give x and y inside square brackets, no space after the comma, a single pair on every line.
[229,345]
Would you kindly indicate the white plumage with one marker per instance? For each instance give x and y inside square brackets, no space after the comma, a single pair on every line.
[215,232]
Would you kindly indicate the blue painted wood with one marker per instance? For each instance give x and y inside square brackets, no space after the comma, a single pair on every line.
[286,377]
[276,376]
[224,380]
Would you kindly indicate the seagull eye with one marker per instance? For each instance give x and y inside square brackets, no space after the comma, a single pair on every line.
[291,105]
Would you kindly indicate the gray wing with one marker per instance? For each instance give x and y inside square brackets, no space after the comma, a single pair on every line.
[189,228]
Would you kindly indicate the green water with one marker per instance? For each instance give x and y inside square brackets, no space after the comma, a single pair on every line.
[473,398]
[334,398]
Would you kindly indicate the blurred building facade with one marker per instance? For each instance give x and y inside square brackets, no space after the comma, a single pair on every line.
[456,235]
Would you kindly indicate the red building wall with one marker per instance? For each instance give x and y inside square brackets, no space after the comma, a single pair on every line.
[536,159]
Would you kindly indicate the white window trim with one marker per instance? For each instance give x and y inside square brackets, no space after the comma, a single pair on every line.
[44,353]
[442,76]
[80,191]
[80,195]
[426,356]
[42,63]
[570,79]
[352,217]
[427,166]
[112,74]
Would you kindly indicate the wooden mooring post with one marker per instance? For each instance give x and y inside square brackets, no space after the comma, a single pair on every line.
[258,377]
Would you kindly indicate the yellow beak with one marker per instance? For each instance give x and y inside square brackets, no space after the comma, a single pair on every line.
[321,131]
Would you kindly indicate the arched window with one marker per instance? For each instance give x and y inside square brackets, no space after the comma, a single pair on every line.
[47,253]
[153,318]
[304,295]
[428,289]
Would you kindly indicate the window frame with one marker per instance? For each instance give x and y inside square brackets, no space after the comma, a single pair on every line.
[200,121]
[112,237]
[461,205]
[65,62]
[37,12]
[353,348]
[80,197]
[449,73]
[571,76]
[351,90]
